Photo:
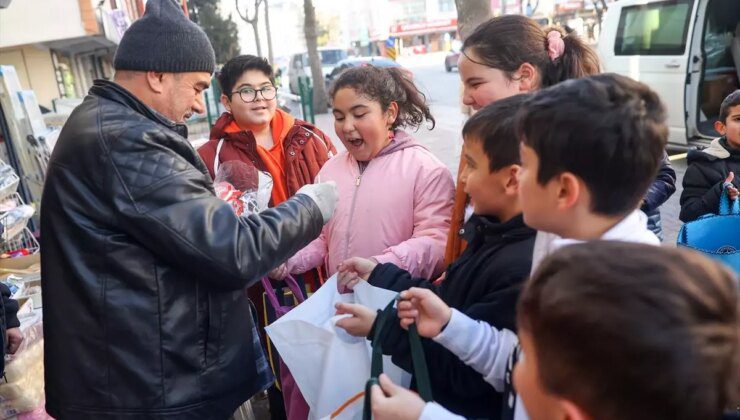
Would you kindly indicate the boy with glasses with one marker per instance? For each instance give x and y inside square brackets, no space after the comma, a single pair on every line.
[255,132]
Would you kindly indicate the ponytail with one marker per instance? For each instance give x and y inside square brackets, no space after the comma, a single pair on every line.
[387,85]
[507,42]
[577,59]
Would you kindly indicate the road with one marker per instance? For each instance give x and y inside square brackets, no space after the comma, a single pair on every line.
[443,93]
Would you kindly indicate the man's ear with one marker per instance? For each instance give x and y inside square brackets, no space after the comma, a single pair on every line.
[569,191]
[155,80]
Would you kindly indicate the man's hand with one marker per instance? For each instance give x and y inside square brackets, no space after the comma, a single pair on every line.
[352,271]
[324,195]
[732,191]
[390,401]
[14,338]
[427,310]
[278,273]
[360,323]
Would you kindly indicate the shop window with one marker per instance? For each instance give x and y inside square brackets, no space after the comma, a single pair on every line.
[653,29]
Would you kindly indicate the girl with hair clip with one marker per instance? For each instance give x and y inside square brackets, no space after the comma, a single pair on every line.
[395,197]
[506,56]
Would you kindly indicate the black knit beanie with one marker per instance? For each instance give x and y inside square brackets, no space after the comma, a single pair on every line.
[165,40]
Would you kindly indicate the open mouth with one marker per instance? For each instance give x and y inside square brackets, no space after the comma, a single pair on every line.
[259,108]
[355,142]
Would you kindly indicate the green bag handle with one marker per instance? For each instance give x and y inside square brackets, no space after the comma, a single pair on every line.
[421,373]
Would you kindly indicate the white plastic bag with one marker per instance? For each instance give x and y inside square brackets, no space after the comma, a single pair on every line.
[329,365]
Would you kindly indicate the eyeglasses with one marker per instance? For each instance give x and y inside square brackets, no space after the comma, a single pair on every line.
[248,94]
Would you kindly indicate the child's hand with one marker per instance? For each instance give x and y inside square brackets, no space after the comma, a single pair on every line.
[732,191]
[427,310]
[352,271]
[390,401]
[14,339]
[278,273]
[360,323]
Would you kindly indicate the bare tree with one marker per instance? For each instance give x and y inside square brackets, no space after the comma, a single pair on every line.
[254,21]
[270,56]
[600,7]
[470,14]
[529,4]
[309,28]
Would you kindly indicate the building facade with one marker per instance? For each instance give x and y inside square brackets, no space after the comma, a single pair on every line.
[74,43]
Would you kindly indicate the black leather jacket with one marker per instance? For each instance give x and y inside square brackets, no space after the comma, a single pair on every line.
[144,270]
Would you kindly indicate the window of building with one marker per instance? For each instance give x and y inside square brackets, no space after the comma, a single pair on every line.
[414,11]
[446,5]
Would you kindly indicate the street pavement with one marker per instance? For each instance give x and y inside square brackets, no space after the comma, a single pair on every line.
[443,93]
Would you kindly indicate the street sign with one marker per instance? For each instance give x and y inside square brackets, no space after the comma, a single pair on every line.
[390,47]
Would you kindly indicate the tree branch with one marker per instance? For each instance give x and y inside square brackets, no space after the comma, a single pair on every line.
[238,11]
[245,17]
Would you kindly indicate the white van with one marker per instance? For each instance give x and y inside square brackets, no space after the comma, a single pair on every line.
[686,50]
[300,66]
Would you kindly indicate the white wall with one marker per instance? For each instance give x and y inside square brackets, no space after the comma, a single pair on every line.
[34,21]
[35,71]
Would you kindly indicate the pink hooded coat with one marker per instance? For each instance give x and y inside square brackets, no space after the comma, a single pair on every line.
[397,210]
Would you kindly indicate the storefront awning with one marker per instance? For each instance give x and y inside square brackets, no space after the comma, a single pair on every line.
[420,28]
[81,45]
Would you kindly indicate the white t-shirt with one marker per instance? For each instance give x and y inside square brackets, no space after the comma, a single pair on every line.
[632,228]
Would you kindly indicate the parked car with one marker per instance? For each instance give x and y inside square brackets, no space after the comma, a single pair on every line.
[364,61]
[301,67]
[688,51]
[451,60]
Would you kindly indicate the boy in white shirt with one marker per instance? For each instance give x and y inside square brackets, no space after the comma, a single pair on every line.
[590,149]
[594,321]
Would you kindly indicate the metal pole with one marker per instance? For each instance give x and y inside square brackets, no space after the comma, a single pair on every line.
[302,93]
[310,103]
[208,112]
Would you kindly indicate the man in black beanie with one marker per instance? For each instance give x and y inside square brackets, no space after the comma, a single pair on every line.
[143,267]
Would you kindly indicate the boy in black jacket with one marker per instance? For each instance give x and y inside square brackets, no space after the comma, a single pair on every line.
[484,283]
[714,168]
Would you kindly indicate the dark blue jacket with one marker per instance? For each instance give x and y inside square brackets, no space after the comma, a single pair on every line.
[659,192]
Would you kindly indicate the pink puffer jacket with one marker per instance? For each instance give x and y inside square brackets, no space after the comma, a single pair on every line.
[396,210]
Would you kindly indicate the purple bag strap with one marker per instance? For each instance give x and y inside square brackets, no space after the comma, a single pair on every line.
[272,296]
